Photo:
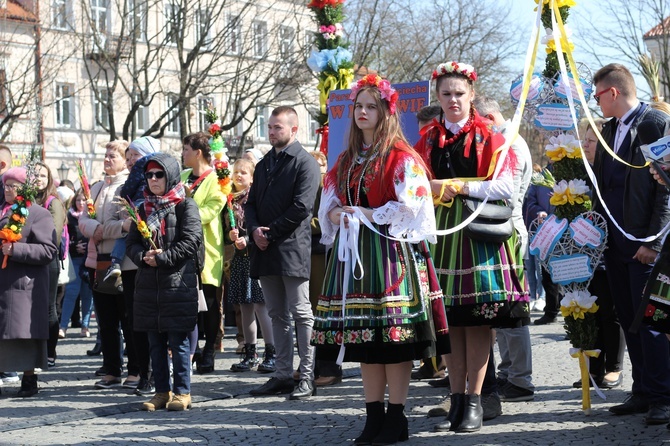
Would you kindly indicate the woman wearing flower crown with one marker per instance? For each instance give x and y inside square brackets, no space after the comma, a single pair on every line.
[378,307]
[482,281]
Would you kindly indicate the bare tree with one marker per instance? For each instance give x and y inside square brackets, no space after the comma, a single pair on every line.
[625,36]
[405,39]
[26,66]
[236,53]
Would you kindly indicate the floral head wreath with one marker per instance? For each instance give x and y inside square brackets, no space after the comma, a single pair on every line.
[387,92]
[455,67]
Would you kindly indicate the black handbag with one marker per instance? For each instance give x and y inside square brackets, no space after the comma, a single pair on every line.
[493,224]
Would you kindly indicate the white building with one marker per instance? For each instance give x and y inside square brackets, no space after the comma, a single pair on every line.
[79,73]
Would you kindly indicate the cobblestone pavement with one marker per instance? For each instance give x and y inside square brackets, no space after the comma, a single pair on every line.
[69,411]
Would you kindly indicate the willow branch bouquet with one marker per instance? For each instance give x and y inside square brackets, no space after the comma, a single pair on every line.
[86,188]
[134,215]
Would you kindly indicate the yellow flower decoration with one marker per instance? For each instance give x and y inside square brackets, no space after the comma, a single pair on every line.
[559,3]
[573,192]
[551,45]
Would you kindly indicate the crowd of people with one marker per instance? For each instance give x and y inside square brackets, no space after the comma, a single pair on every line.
[361,261]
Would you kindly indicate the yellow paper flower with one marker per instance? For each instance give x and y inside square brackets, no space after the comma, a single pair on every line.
[548,39]
[564,145]
[578,303]
[573,192]
[559,3]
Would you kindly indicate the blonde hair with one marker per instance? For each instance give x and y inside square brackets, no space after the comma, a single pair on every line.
[584,125]
[119,145]
[661,106]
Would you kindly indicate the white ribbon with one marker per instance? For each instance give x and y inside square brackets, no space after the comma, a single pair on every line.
[347,253]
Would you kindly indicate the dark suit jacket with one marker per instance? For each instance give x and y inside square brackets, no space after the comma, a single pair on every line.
[282,199]
[645,202]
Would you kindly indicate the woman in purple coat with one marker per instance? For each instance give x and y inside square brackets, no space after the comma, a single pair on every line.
[24,287]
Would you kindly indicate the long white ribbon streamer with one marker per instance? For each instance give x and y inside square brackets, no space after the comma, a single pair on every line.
[347,253]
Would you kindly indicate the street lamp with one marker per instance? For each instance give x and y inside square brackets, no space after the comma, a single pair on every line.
[63,171]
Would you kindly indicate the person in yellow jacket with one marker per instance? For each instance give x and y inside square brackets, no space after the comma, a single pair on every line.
[202,185]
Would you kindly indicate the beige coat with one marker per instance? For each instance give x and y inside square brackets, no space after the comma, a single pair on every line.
[104,194]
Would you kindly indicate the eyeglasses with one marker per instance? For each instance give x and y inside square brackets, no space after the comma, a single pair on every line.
[15,186]
[159,175]
[596,96]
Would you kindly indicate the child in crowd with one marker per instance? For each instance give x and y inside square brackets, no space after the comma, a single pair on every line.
[244,290]
[138,153]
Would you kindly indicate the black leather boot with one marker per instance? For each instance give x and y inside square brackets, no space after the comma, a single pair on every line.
[395,426]
[249,360]
[28,386]
[472,415]
[268,364]
[373,423]
[96,350]
[206,364]
[455,415]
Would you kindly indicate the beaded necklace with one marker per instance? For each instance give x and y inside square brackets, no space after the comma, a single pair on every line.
[359,160]
[464,129]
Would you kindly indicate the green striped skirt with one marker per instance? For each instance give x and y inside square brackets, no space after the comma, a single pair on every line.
[483,282]
[394,313]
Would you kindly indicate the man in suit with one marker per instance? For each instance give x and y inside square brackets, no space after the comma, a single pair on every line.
[638,205]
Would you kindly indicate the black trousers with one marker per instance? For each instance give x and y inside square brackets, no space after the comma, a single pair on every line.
[140,338]
[552,295]
[611,341]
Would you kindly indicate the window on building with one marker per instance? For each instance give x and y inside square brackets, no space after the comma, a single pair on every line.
[234,34]
[203,27]
[313,126]
[61,14]
[260,34]
[203,105]
[262,123]
[173,113]
[101,99]
[137,19]
[64,105]
[286,38]
[141,118]
[99,17]
[172,22]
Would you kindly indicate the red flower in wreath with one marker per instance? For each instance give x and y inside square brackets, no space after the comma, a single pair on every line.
[214,129]
[338,338]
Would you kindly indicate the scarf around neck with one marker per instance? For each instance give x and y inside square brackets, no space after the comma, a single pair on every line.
[157,207]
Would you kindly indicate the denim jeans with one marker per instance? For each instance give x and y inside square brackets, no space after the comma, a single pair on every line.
[534,274]
[118,251]
[179,344]
[73,289]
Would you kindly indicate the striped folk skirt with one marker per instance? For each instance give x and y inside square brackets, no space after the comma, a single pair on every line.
[483,282]
[393,313]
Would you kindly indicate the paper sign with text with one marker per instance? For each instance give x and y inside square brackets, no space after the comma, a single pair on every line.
[534,90]
[547,235]
[554,117]
[412,97]
[562,92]
[585,233]
[568,269]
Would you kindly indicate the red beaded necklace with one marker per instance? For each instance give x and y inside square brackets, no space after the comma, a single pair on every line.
[465,129]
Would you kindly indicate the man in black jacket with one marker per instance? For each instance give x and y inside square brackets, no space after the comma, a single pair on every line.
[278,213]
[634,202]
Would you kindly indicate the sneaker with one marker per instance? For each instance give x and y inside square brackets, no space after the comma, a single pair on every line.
[131,383]
[539,304]
[102,371]
[108,383]
[491,406]
[51,362]
[61,334]
[514,394]
[113,271]
[145,387]
[85,333]
[9,377]
[180,402]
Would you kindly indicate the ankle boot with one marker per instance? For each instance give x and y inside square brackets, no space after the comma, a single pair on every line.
[206,364]
[395,426]
[249,359]
[268,364]
[373,423]
[455,415]
[472,415]
[28,386]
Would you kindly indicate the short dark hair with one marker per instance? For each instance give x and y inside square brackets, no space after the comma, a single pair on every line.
[199,141]
[284,109]
[427,113]
[616,75]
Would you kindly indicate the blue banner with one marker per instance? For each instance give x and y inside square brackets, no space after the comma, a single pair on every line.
[411,98]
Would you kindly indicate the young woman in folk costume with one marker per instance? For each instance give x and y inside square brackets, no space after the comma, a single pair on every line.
[387,310]
[483,281]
